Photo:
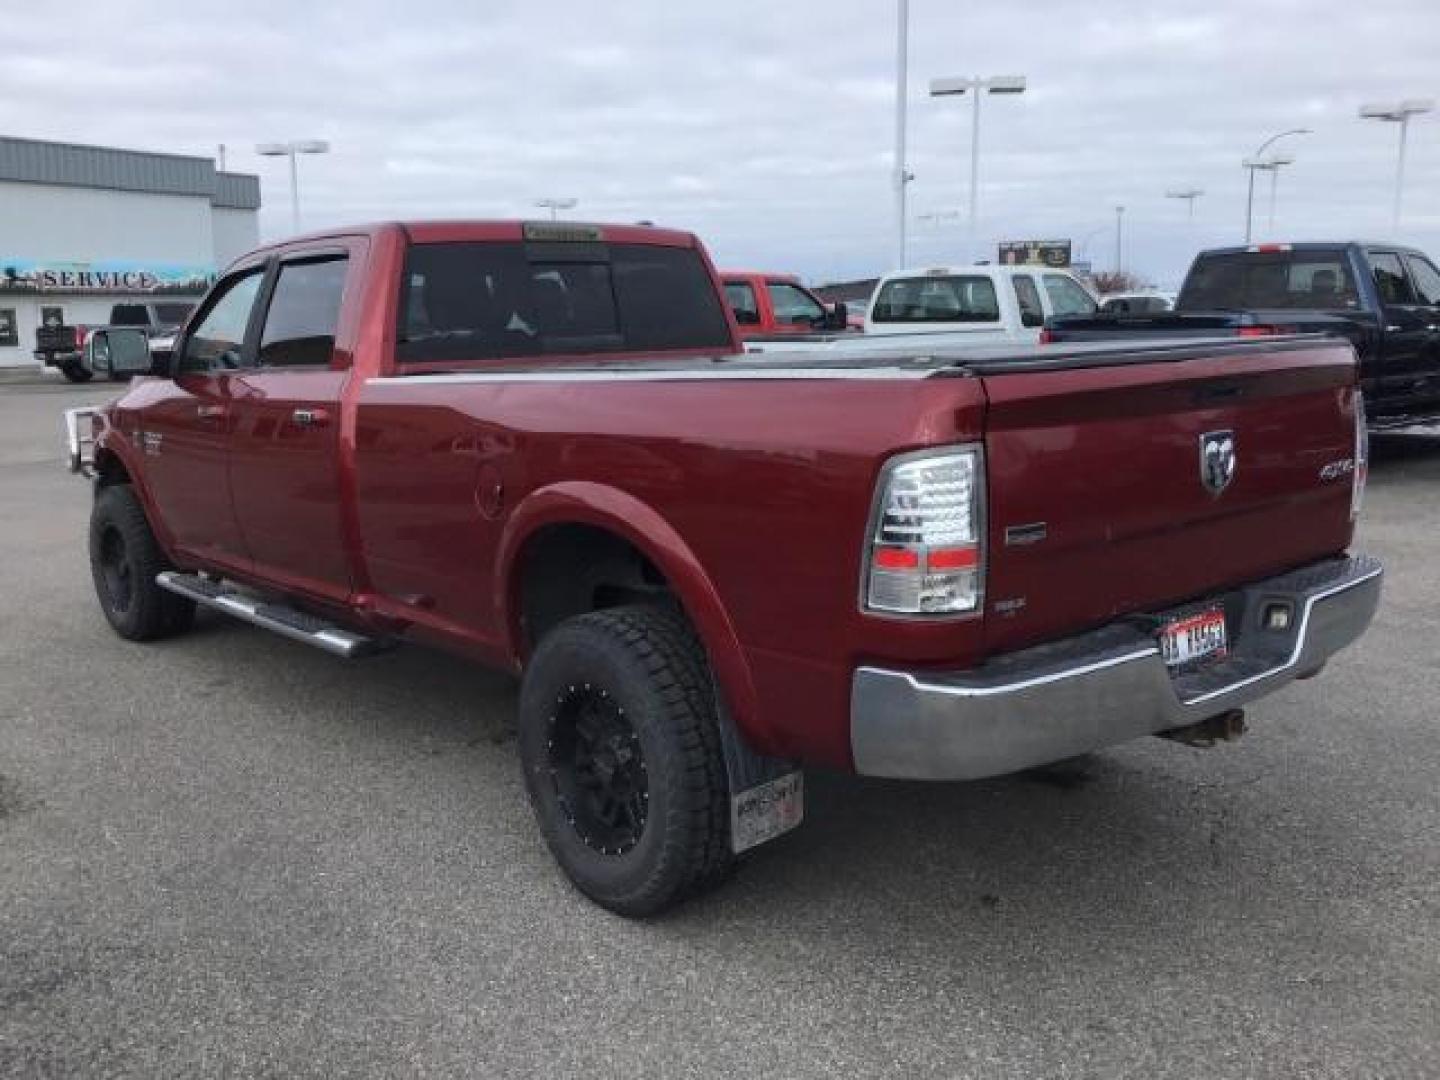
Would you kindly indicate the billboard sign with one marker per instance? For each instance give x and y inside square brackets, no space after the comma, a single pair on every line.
[103,276]
[1054,253]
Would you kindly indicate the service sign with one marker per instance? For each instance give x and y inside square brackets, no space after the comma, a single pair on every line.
[103,276]
[1054,253]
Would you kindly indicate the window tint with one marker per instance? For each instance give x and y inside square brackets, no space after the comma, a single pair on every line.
[1032,313]
[1425,278]
[741,298]
[489,300]
[1390,278]
[304,309]
[129,315]
[794,305]
[1300,280]
[1067,298]
[936,299]
[173,314]
[217,342]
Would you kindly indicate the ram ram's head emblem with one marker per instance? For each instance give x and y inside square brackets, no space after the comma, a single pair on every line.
[1217,460]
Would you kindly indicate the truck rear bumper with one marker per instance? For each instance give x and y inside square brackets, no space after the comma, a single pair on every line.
[1069,697]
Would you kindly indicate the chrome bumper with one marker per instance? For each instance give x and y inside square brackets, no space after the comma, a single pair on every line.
[79,442]
[1069,697]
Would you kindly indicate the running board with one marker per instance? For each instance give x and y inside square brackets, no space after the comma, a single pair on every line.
[283,620]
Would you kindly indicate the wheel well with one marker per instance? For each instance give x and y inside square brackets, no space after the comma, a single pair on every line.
[109,470]
[567,570]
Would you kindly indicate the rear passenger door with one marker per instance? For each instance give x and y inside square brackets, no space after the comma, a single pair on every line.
[1405,328]
[1426,281]
[285,453]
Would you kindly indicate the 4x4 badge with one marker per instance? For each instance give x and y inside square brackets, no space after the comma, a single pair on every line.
[1217,460]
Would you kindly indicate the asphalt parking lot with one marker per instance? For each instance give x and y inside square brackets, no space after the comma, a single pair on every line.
[231,855]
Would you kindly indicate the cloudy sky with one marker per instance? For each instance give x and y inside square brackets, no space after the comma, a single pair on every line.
[767,127]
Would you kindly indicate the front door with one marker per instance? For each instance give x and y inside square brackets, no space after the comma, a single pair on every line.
[185,433]
[285,456]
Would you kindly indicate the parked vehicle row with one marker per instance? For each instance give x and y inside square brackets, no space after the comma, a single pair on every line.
[543,447]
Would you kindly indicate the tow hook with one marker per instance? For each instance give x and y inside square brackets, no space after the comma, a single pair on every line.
[1226,727]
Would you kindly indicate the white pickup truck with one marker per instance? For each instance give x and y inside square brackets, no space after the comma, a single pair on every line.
[952,306]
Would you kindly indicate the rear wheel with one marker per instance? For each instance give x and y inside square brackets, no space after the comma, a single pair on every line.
[76,372]
[124,560]
[620,744]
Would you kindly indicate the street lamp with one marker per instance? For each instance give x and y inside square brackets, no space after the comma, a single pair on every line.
[1273,164]
[902,175]
[290,150]
[555,205]
[1398,113]
[1250,164]
[1189,195]
[995,84]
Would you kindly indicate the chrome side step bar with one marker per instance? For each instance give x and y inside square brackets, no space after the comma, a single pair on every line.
[286,621]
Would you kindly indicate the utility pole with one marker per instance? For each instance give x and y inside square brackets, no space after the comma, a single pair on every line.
[1119,243]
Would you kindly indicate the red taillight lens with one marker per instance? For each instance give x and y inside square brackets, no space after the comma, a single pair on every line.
[1256,331]
[1046,337]
[1362,458]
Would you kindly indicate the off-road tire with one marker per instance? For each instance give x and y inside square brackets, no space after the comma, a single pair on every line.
[124,559]
[76,372]
[646,663]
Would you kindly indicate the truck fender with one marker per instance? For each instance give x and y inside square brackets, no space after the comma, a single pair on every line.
[111,444]
[618,512]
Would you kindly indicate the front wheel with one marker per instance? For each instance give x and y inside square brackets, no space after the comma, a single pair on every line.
[125,557]
[620,744]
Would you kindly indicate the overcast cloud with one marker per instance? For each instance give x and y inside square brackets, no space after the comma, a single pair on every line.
[767,127]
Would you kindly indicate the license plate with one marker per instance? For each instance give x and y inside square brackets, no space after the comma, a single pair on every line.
[1195,637]
[762,813]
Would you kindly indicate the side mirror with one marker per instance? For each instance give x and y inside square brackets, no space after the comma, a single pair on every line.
[839,316]
[119,353]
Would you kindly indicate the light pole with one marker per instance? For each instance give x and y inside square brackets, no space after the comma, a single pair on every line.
[1272,165]
[995,84]
[1250,163]
[1119,220]
[1189,195]
[902,177]
[1398,113]
[555,206]
[291,149]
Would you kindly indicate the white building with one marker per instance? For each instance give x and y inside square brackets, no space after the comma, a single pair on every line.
[85,227]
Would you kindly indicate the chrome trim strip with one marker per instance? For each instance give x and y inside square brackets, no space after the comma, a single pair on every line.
[740,374]
[1012,687]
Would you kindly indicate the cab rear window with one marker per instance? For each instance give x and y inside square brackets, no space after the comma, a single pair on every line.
[937,298]
[1301,280]
[479,301]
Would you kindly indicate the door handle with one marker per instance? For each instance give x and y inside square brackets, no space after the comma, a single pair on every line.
[310,417]
[211,412]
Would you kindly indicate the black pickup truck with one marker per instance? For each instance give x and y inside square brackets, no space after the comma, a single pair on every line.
[1384,297]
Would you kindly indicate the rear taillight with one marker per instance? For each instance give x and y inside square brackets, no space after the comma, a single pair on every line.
[1256,331]
[1362,458]
[924,552]
[1046,337]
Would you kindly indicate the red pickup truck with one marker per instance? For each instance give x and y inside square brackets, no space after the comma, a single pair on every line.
[540,446]
[768,304]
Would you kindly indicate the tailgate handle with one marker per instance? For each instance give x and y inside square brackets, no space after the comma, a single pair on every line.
[1221,392]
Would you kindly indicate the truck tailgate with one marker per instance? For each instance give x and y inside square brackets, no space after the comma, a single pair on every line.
[1099,504]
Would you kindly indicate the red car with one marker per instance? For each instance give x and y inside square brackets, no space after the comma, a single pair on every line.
[769,304]
[540,446]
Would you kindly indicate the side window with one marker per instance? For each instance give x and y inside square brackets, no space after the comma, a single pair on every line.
[1032,313]
[741,298]
[794,305]
[1390,278]
[304,309]
[217,342]
[1067,298]
[1425,277]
